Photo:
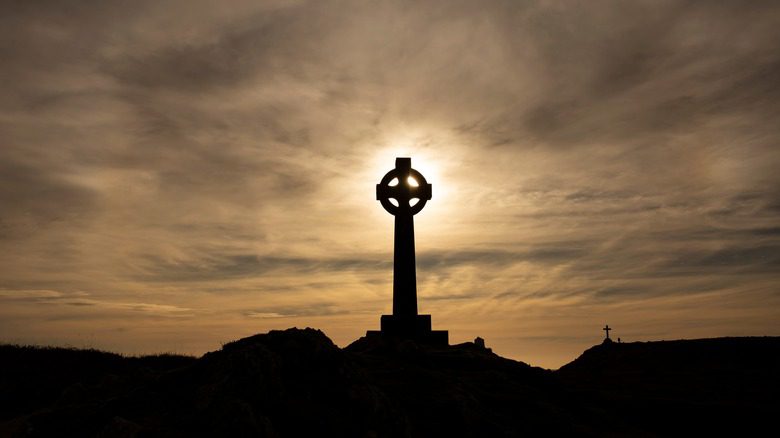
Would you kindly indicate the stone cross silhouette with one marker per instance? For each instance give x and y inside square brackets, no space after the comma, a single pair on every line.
[407,185]
[607,329]
[403,192]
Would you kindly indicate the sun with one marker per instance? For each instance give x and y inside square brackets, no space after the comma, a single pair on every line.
[436,157]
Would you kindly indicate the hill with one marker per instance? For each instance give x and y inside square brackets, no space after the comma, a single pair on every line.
[716,387]
[298,383]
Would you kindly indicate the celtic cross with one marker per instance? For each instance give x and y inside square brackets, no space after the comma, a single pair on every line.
[404,185]
[403,192]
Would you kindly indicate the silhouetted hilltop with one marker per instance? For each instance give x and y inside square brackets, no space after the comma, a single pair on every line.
[35,377]
[298,383]
[463,390]
[696,387]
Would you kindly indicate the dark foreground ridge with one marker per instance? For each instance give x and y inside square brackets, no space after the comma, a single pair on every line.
[298,383]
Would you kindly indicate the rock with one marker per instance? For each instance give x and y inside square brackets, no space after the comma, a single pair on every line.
[296,382]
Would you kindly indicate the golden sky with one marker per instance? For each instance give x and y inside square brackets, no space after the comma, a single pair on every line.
[178,174]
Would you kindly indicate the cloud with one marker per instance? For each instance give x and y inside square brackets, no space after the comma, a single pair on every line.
[544,254]
[252,265]
[33,199]
[33,295]
[224,267]
[303,310]
[83,299]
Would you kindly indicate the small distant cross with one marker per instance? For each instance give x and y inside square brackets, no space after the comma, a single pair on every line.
[607,329]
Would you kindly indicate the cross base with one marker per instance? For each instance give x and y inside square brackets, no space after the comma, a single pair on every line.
[416,328]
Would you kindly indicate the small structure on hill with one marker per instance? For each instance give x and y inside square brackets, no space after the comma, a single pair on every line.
[607,329]
[480,343]
[403,192]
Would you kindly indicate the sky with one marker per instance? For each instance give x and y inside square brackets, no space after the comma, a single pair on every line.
[179,174]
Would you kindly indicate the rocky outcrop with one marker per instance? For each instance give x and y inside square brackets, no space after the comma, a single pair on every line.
[296,382]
